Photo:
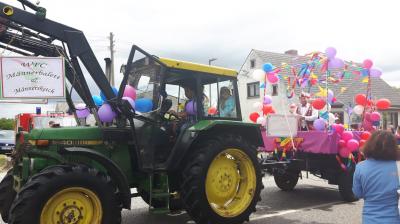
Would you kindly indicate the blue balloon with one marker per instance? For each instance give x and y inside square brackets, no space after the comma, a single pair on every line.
[115,90]
[267,67]
[97,100]
[143,105]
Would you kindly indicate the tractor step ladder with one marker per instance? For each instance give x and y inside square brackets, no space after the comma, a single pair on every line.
[159,191]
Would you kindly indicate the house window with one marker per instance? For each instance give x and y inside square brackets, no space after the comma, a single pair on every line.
[274,90]
[253,89]
[252,63]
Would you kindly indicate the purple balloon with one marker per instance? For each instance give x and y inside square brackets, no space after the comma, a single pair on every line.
[330,52]
[319,124]
[335,63]
[106,114]
[375,72]
[130,100]
[267,99]
[330,95]
[82,111]
[191,108]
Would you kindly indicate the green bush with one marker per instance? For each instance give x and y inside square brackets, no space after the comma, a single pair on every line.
[6,124]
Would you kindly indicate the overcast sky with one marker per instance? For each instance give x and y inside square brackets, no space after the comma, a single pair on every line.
[228,30]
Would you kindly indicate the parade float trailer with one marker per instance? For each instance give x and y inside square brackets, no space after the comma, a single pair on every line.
[328,150]
[208,167]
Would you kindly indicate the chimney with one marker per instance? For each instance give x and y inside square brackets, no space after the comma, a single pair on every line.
[291,52]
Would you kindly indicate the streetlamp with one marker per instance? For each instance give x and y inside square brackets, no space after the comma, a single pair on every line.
[211,60]
[209,86]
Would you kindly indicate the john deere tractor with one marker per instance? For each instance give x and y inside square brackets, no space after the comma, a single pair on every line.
[184,147]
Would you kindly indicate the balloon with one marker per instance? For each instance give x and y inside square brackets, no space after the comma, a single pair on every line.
[358,109]
[375,72]
[342,143]
[330,52]
[383,104]
[313,81]
[267,109]
[267,67]
[367,63]
[106,114]
[190,108]
[258,75]
[360,99]
[367,116]
[212,111]
[257,106]
[130,92]
[272,78]
[347,135]
[365,135]
[339,128]
[130,100]
[362,142]
[254,116]
[115,90]
[144,105]
[352,144]
[267,99]
[375,116]
[319,124]
[330,95]
[262,121]
[335,63]
[344,152]
[331,118]
[82,111]
[318,103]
[97,100]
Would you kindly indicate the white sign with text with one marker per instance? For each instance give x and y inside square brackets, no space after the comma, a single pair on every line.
[32,77]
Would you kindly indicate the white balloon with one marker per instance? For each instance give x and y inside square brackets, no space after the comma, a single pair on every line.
[332,118]
[258,106]
[262,121]
[358,109]
[258,75]
[327,107]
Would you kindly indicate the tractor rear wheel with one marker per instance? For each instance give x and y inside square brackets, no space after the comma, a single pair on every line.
[287,181]
[221,181]
[67,194]
[7,195]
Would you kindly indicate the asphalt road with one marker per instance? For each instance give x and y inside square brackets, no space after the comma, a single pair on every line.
[312,202]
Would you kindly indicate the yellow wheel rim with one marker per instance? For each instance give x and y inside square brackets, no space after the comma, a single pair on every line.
[73,205]
[231,183]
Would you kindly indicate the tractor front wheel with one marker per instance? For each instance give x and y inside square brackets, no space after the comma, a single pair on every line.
[67,194]
[221,181]
[7,195]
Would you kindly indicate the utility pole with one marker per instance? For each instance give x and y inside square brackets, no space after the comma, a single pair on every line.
[111,78]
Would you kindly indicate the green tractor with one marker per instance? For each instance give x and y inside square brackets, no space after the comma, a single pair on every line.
[201,158]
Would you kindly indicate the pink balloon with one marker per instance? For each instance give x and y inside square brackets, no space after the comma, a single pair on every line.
[353,145]
[375,116]
[339,128]
[272,78]
[367,116]
[130,92]
[347,135]
[342,143]
[344,152]
[367,63]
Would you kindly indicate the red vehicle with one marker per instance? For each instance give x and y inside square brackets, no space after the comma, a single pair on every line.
[29,121]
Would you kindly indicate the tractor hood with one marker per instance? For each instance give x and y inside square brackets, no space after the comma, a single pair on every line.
[67,133]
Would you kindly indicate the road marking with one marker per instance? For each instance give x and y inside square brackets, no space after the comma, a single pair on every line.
[292,211]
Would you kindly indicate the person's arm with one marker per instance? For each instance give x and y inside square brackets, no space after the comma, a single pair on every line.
[357,188]
[314,115]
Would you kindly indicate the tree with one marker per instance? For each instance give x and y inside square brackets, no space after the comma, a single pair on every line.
[6,124]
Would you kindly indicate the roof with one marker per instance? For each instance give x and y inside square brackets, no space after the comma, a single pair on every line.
[379,88]
[172,63]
